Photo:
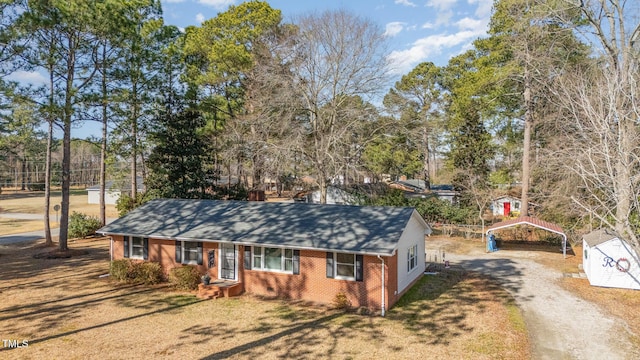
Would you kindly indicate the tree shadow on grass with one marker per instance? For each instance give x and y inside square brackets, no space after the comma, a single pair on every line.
[300,331]
[438,306]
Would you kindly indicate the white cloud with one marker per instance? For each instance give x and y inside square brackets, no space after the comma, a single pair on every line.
[199,18]
[172,1]
[428,25]
[28,77]
[405,3]
[217,4]
[403,61]
[394,28]
[477,25]
[442,5]
[484,7]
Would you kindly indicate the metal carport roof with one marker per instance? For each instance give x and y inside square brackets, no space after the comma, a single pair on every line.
[529,220]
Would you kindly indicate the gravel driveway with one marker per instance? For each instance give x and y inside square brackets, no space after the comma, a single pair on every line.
[561,325]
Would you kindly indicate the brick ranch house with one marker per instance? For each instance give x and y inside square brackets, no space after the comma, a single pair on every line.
[299,251]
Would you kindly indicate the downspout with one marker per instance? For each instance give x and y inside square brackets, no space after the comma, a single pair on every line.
[382,306]
[110,253]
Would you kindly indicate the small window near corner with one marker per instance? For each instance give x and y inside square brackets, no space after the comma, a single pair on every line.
[412,258]
[585,254]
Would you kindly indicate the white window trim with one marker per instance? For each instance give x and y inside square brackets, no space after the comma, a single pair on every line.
[283,259]
[184,251]
[335,267]
[131,246]
[414,258]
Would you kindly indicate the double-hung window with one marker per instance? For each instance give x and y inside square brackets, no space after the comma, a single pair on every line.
[345,266]
[273,259]
[412,258]
[136,247]
[189,252]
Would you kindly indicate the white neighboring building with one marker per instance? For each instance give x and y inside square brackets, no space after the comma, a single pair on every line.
[112,193]
[505,205]
[334,196]
[610,261]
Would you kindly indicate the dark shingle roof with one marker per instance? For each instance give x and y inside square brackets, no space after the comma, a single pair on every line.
[360,229]
[600,236]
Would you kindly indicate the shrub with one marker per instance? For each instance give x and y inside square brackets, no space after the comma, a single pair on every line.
[149,273]
[81,225]
[136,272]
[120,270]
[184,277]
[340,301]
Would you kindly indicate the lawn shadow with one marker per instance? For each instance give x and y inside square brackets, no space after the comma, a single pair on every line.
[302,332]
[438,306]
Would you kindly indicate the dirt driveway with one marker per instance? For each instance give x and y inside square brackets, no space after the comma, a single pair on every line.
[560,324]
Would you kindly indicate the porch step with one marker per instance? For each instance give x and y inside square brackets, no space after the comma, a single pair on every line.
[219,289]
[208,292]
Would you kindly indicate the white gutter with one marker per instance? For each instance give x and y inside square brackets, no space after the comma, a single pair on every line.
[382,306]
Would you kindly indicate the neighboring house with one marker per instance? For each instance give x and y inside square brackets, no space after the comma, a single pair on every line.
[412,185]
[508,206]
[445,192]
[334,196]
[113,190]
[290,250]
[610,261]
[415,188]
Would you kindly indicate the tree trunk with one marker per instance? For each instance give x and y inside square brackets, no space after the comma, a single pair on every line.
[134,148]
[103,142]
[323,189]
[48,241]
[66,148]
[23,161]
[528,125]
[425,161]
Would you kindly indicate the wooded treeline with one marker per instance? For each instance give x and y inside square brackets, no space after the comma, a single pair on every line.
[547,101]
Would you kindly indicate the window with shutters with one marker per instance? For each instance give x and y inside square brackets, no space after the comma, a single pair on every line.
[190,253]
[272,259]
[345,266]
[137,248]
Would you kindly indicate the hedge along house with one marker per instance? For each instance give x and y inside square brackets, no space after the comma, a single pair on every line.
[292,250]
[610,261]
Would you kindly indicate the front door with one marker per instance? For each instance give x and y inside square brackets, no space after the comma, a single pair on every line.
[507,208]
[228,262]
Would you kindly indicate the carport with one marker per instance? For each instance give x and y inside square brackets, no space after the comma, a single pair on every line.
[531,221]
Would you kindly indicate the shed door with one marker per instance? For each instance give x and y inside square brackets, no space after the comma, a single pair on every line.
[507,208]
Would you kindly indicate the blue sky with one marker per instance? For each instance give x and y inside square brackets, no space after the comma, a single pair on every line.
[418,30]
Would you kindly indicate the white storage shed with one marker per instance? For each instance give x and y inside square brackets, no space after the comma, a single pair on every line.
[610,261]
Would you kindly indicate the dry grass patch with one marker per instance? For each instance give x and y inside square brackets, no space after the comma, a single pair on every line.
[16,226]
[65,310]
[464,315]
[32,202]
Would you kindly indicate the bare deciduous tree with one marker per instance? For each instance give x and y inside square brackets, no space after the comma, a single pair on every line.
[602,136]
[339,56]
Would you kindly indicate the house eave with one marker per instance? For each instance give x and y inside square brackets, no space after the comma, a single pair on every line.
[244,243]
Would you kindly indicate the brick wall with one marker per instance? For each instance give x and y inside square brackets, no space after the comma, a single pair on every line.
[310,285]
[313,285]
[164,252]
